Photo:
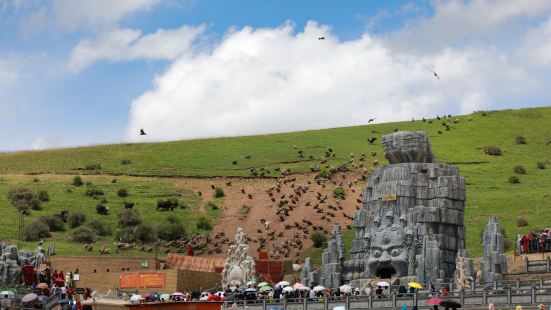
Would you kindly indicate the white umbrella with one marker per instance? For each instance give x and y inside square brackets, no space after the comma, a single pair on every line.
[318,288]
[136,298]
[383,283]
[303,288]
[283,283]
[261,284]
[288,289]
[346,289]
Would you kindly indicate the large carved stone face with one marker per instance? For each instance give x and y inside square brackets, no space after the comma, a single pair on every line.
[388,256]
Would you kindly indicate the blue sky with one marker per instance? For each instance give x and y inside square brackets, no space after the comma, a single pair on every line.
[93,72]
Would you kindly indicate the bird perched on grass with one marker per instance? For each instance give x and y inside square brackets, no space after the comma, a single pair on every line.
[142,132]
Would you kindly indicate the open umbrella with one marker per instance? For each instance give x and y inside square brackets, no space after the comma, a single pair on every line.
[62,301]
[42,298]
[303,288]
[177,294]
[383,284]
[319,288]
[283,283]
[346,288]
[7,294]
[59,281]
[251,289]
[433,301]
[448,303]
[415,285]
[288,289]
[262,284]
[252,282]
[136,298]
[297,285]
[147,295]
[164,296]
[42,285]
[265,288]
[29,297]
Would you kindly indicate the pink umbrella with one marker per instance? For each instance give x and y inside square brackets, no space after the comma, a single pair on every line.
[178,294]
[297,285]
[433,301]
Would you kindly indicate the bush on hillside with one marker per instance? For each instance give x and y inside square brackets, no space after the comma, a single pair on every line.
[318,238]
[76,219]
[244,209]
[54,222]
[123,192]
[77,180]
[519,170]
[35,204]
[339,193]
[212,205]
[125,235]
[520,140]
[492,150]
[43,196]
[522,221]
[125,162]
[171,229]
[93,167]
[514,179]
[23,199]
[204,223]
[130,218]
[145,233]
[94,192]
[219,192]
[36,230]
[541,165]
[83,234]
[167,204]
[100,228]
[323,174]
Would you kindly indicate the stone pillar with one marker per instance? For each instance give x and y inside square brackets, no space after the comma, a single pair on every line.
[494,264]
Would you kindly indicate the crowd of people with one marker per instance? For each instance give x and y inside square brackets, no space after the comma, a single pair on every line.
[536,241]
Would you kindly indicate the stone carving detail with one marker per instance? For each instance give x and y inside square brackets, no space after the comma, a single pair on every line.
[494,264]
[11,261]
[463,270]
[239,267]
[411,222]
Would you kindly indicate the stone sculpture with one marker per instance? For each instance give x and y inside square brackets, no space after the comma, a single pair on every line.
[463,270]
[411,223]
[239,267]
[11,261]
[494,263]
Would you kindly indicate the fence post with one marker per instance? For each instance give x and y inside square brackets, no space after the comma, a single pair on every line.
[484,297]
[495,284]
[548,264]
[370,301]
[325,303]
[517,283]
[462,296]
[244,303]
[304,303]
[264,304]
[509,298]
[415,298]
[347,302]
[525,264]
[533,297]
[541,280]
[394,299]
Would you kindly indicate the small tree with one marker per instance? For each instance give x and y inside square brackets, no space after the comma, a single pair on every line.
[204,223]
[130,218]
[123,192]
[219,193]
[54,222]
[318,238]
[77,181]
[339,193]
[23,199]
[83,234]
[35,231]
[171,229]
[145,233]
[76,219]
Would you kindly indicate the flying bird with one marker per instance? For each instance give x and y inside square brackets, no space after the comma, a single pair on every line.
[434,73]
[142,133]
[371,120]
[321,38]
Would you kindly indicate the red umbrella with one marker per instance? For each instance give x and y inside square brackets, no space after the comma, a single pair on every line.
[59,281]
[433,301]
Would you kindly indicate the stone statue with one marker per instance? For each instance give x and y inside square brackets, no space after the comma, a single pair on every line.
[11,261]
[239,267]
[494,264]
[463,271]
[410,224]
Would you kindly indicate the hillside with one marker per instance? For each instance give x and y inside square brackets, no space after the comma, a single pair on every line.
[172,169]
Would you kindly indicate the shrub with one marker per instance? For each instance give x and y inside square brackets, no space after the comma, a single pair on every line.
[324,174]
[126,162]
[69,190]
[103,200]
[204,223]
[520,140]
[43,196]
[171,229]
[541,165]
[100,228]
[521,221]
[76,219]
[244,209]
[35,204]
[212,205]
[23,198]
[83,235]
[130,218]
[77,181]
[53,222]
[145,233]
[125,235]
[514,179]
[339,193]
[123,192]
[183,205]
[219,193]
[94,192]
[492,150]
[167,204]
[519,170]
[35,231]
[318,238]
[93,167]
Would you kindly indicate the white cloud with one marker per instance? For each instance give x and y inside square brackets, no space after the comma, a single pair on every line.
[273,80]
[128,44]
[71,14]
[536,48]
[39,143]
[9,70]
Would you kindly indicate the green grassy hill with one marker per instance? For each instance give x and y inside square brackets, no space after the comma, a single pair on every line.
[154,167]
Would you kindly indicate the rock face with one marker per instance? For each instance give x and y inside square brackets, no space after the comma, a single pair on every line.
[494,263]
[239,267]
[11,261]
[411,222]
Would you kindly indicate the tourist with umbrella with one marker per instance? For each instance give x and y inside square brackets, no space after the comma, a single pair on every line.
[448,303]
[434,301]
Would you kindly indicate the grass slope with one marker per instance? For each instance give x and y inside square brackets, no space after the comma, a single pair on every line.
[488,189]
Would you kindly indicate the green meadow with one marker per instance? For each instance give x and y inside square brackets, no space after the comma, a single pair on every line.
[150,170]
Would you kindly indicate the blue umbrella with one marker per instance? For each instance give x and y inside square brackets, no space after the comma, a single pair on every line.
[62,301]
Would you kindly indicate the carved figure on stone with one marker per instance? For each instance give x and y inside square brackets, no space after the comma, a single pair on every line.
[239,267]
[463,278]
